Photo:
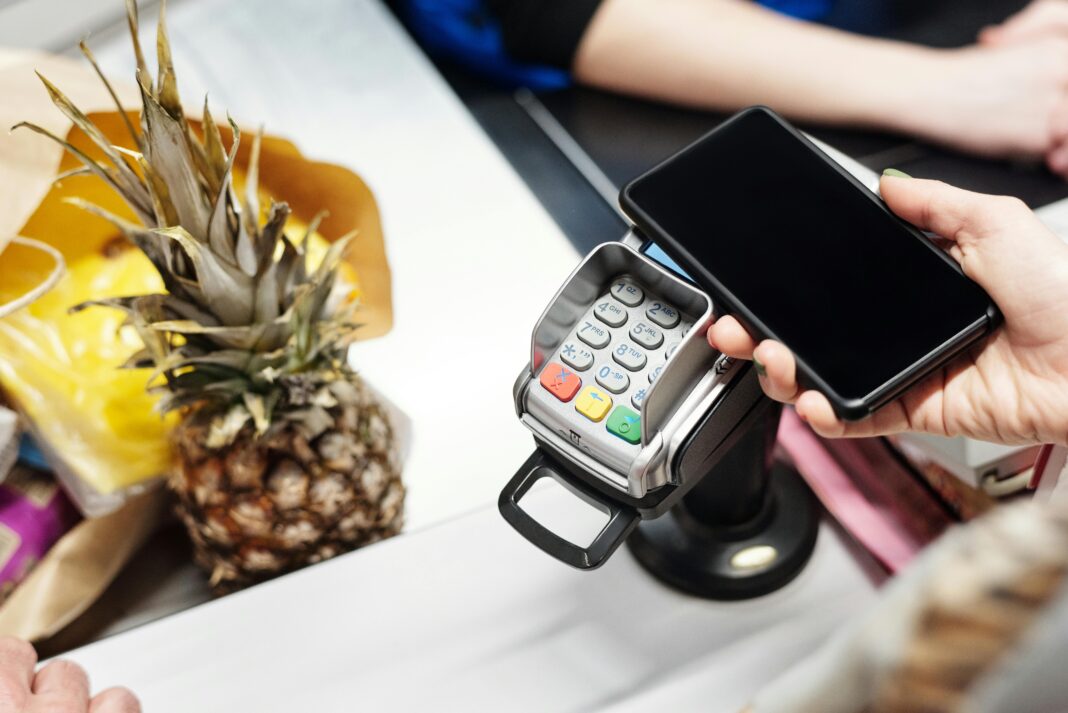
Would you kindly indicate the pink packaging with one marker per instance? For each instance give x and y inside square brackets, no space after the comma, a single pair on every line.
[34,514]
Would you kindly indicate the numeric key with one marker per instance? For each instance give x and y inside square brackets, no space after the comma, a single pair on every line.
[663,314]
[611,313]
[613,379]
[647,335]
[627,292]
[628,357]
[594,334]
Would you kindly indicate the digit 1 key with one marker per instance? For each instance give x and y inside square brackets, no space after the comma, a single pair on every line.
[627,292]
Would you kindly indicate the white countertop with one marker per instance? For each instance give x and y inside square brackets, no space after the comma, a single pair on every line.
[459,613]
[467,616]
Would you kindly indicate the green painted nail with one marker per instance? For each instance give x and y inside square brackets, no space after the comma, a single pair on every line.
[894,173]
[760,370]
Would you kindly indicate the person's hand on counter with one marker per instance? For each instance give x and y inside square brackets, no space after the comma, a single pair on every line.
[59,687]
[1042,21]
[1013,388]
[996,101]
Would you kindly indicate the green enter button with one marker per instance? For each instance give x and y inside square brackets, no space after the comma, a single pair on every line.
[626,424]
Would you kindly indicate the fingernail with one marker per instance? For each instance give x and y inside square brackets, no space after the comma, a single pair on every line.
[894,173]
[760,370]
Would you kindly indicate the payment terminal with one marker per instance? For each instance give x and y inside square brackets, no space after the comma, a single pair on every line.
[630,409]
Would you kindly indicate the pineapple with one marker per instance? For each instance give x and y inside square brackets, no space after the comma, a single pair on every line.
[283,456]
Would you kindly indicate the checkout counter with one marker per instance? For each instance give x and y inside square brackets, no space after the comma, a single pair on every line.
[459,612]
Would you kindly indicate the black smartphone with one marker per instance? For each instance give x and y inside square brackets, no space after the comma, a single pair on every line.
[801,252]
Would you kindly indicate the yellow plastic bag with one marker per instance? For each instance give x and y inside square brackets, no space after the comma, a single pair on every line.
[62,370]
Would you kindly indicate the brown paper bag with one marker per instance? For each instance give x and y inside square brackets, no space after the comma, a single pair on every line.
[79,568]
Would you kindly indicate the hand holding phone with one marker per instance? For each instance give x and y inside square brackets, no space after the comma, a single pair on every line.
[859,309]
[799,251]
[1011,389]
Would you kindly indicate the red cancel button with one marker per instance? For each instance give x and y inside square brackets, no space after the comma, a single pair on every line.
[560,381]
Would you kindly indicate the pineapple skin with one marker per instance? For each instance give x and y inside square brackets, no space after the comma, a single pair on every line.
[270,504]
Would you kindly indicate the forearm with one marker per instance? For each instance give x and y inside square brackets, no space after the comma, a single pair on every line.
[726,54]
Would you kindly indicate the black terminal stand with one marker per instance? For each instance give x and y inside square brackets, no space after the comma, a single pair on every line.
[746,529]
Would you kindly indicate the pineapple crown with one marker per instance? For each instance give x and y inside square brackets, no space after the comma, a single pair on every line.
[245,318]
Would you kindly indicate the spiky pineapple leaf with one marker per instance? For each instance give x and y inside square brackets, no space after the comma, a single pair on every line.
[166,149]
[111,90]
[97,169]
[213,149]
[257,408]
[166,84]
[219,222]
[124,176]
[132,22]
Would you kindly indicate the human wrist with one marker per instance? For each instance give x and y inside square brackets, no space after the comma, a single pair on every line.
[907,86]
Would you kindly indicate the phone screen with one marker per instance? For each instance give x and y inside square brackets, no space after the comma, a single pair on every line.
[854,292]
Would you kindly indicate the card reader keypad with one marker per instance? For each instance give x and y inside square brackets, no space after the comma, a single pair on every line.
[615,353]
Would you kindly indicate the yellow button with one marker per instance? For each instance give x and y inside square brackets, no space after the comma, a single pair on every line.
[593,403]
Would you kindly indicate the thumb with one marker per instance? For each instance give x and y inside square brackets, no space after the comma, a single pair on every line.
[997,240]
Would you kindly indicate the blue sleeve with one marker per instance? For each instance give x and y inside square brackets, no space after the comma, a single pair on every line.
[527,42]
[465,32]
[801,9]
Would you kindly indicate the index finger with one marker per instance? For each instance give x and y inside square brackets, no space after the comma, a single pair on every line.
[729,336]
